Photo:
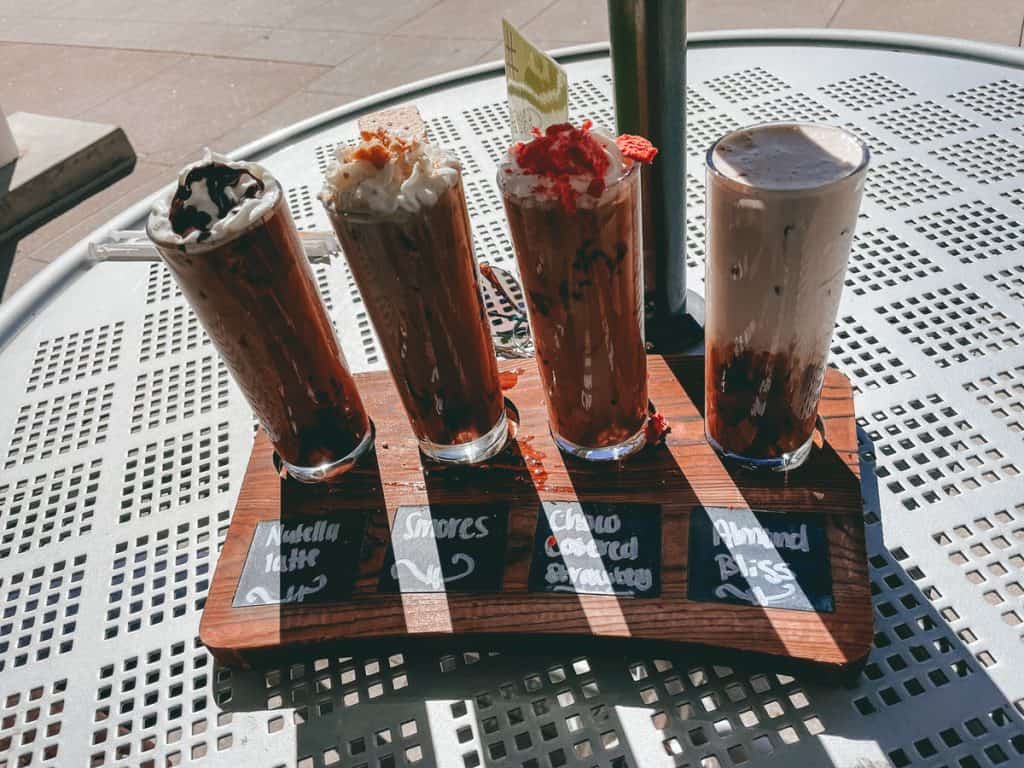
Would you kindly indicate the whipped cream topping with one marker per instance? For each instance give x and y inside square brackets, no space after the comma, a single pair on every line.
[524,184]
[386,173]
[215,199]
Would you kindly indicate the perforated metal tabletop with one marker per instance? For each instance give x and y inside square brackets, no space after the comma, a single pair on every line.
[123,440]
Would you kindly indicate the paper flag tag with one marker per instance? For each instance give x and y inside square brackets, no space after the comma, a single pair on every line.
[538,89]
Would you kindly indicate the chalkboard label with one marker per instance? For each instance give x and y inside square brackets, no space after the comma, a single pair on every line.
[451,548]
[597,549]
[768,559]
[307,560]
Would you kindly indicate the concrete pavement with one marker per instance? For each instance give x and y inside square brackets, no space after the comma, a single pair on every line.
[253,66]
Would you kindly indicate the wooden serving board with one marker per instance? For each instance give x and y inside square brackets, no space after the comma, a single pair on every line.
[681,477]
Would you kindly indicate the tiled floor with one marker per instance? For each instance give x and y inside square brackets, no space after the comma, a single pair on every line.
[253,66]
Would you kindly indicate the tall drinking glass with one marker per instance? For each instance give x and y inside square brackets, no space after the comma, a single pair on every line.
[582,274]
[228,238]
[782,204]
[418,278]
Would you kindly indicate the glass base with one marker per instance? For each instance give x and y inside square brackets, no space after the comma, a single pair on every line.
[783,463]
[616,452]
[328,471]
[473,452]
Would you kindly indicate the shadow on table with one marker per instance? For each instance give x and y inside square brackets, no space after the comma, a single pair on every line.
[358,507]
[922,695]
[607,489]
[508,479]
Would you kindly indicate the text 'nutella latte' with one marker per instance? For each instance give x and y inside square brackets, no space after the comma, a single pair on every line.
[782,204]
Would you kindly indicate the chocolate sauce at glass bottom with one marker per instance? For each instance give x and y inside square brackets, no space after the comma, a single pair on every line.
[760,405]
[418,279]
[257,300]
[583,278]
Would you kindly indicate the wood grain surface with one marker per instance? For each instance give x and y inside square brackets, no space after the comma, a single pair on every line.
[679,475]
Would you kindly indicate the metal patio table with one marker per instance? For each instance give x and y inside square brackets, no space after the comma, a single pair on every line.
[123,441]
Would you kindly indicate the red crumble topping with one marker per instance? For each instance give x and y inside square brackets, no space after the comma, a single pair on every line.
[559,154]
[636,148]
[564,152]
[657,427]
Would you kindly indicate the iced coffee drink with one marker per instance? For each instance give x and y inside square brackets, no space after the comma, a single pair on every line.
[572,196]
[782,204]
[228,238]
[397,205]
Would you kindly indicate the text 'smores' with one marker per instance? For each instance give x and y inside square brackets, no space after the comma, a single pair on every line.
[446,548]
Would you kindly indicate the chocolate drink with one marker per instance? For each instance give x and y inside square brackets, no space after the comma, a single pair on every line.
[782,203]
[581,267]
[228,238]
[419,282]
[418,278]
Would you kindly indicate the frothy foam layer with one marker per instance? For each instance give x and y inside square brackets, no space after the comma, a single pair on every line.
[788,156]
[387,173]
[525,173]
[215,199]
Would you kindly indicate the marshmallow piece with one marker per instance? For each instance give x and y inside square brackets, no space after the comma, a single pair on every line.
[401,120]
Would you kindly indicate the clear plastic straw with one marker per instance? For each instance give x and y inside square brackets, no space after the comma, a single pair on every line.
[134,245]
[502,292]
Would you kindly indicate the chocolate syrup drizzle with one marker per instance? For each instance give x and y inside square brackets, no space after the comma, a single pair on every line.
[219,179]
